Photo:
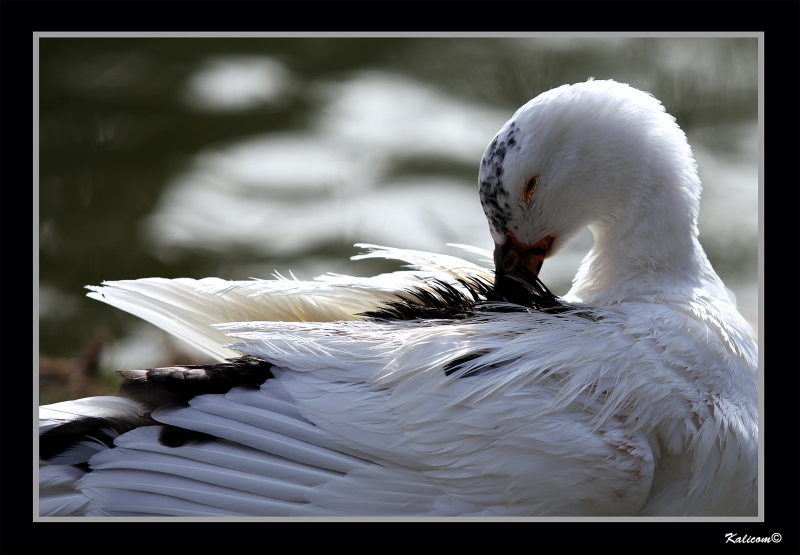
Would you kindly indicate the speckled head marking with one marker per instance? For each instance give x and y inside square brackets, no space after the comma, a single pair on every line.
[494,195]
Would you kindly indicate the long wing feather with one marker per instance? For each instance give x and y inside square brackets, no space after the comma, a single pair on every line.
[503,413]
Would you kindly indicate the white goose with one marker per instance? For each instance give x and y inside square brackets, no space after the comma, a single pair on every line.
[422,392]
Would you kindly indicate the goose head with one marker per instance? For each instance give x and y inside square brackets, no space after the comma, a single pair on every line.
[600,154]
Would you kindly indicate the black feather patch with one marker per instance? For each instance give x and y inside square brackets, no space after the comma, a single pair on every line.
[458,363]
[442,301]
[103,429]
[447,302]
[172,436]
[176,385]
[155,388]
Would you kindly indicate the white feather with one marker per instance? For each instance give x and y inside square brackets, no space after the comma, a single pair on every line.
[56,414]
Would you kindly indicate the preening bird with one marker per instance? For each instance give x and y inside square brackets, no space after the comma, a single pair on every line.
[452,388]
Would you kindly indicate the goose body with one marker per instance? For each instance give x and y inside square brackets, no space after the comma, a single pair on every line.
[452,388]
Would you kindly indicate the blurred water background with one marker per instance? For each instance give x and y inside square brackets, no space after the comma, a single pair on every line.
[184,157]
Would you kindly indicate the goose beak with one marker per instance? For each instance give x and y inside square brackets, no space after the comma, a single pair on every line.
[517,267]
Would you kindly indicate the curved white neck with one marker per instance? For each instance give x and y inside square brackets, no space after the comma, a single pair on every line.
[648,252]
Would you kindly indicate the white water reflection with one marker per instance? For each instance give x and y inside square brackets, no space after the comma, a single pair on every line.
[387,115]
[282,163]
[234,83]
[424,214]
[285,192]
[728,211]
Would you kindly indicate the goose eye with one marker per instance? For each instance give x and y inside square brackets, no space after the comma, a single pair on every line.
[530,187]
